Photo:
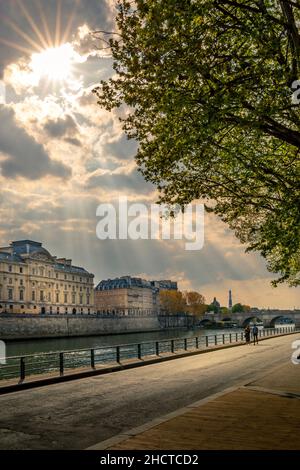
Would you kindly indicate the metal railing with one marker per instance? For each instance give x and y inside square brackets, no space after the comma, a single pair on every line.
[60,362]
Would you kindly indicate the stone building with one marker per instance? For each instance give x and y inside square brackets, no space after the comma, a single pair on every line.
[34,281]
[129,296]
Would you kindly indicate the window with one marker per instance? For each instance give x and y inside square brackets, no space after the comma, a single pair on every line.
[49,296]
[66,297]
[56,275]
[73,278]
[21,282]
[57,297]
[73,299]
[87,299]
[41,296]
[33,296]
[10,294]
[80,279]
[56,286]
[10,269]
[41,271]
[21,294]
[10,280]
[80,299]
[21,270]
[65,276]
[33,271]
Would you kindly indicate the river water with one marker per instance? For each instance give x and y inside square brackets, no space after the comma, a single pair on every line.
[34,346]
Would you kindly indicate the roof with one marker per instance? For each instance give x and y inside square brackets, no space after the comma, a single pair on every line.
[124,282]
[29,247]
[10,257]
[71,269]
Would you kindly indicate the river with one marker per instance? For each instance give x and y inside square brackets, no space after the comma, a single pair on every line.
[34,346]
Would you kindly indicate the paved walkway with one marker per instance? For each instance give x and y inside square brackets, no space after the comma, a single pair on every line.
[248,418]
[82,413]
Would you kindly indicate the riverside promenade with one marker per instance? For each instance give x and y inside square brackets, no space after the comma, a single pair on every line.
[245,397]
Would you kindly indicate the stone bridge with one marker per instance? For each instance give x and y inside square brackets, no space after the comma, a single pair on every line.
[268,317]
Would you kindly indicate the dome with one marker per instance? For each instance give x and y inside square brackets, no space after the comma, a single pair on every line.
[29,247]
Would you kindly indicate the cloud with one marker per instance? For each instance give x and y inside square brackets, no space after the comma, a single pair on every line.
[131,182]
[121,148]
[22,155]
[59,127]
[18,36]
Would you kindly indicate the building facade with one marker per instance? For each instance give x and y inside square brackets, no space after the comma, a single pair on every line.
[33,281]
[129,296]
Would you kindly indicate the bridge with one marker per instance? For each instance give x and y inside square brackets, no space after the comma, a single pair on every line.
[269,317]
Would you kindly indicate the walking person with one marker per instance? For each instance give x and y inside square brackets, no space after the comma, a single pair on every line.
[247,334]
[255,334]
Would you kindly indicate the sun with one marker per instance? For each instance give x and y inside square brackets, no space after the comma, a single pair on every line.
[54,63]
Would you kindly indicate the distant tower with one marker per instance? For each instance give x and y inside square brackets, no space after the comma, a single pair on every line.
[230,300]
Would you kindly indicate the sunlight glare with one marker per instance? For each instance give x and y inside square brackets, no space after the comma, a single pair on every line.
[54,63]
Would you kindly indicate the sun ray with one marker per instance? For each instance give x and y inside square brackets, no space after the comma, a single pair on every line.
[33,24]
[45,24]
[70,22]
[16,46]
[23,35]
[57,24]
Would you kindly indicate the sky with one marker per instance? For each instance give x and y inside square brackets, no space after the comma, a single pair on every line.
[61,155]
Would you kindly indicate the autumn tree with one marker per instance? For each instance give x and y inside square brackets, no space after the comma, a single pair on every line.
[172,302]
[195,303]
[208,85]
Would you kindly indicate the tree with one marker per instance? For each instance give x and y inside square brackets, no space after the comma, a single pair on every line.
[225,311]
[195,303]
[237,308]
[208,86]
[172,302]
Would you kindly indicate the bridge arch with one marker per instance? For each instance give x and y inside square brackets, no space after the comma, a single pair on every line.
[281,320]
[252,319]
[206,322]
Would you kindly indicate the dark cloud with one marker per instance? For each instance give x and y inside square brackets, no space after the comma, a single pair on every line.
[60,127]
[23,155]
[95,13]
[131,182]
[122,148]
[73,141]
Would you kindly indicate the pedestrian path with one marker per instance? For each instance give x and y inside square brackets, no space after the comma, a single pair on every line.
[264,414]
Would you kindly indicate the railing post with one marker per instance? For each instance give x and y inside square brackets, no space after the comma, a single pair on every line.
[172,345]
[242,336]
[118,355]
[236,337]
[139,351]
[197,342]
[157,348]
[92,358]
[223,337]
[206,341]
[216,339]
[230,338]
[185,344]
[22,369]
[61,363]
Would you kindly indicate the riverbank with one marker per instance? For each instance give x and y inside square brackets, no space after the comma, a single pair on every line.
[18,327]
